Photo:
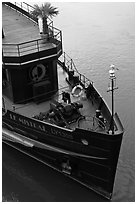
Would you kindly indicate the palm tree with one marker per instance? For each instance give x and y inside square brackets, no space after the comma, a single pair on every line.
[42,13]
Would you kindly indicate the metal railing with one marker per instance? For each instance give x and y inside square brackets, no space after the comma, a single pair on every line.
[17,50]
[28,10]
[24,6]
[31,46]
[95,123]
[69,65]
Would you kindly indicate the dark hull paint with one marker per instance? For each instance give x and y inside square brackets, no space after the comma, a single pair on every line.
[94,165]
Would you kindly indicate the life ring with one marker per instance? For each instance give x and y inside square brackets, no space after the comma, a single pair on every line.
[38,72]
[74,90]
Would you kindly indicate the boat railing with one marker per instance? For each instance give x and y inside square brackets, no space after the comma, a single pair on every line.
[3,103]
[4,109]
[68,65]
[95,123]
[22,103]
[99,122]
[40,44]
[28,8]
[25,9]
[30,46]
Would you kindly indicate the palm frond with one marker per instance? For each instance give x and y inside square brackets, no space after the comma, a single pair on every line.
[37,10]
[45,10]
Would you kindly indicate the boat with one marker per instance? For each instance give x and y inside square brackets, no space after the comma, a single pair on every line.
[51,111]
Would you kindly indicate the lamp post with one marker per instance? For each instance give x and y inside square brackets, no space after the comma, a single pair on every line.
[112,88]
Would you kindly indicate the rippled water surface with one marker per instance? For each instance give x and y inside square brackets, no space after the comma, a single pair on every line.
[95,35]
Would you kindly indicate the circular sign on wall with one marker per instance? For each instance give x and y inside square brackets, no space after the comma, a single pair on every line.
[38,72]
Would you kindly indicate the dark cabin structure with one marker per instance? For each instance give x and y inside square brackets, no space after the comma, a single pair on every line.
[29,59]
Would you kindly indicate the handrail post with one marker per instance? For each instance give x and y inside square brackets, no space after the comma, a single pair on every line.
[52,28]
[38,45]
[64,59]
[61,36]
[3,33]
[3,104]
[80,76]
[71,64]
[15,5]
[28,8]
[21,7]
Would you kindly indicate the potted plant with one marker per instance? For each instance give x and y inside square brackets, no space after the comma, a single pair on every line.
[42,13]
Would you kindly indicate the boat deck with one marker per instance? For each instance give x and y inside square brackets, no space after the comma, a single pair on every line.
[14,32]
[14,24]
[32,109]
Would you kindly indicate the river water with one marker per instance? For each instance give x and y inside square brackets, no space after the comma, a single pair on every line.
[95,35]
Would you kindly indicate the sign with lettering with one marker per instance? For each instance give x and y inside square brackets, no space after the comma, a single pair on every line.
[39,126]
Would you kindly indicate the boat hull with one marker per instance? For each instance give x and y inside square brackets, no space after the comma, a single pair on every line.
[93,163]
